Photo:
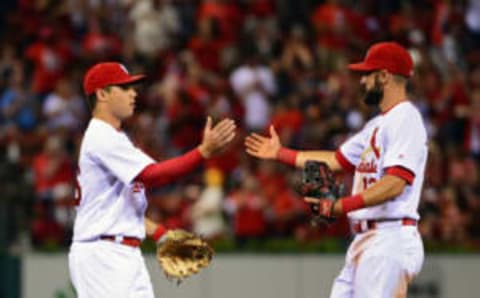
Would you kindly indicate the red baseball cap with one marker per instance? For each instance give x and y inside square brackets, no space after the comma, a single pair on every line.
[386,55]
[105,74]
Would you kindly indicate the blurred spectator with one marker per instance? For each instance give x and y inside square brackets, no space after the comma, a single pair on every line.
[53,174]
[170,208]
[156,23]
[248,210]
[17,105]
[253,83]
[63,109]
[452,221]
[46,232]
[288,212]
[206,212]
[49,57]
[205,45]
[98,43]
[296,53]
[332,25]
[404,26]
[54,179]
[262,33]
[288,119]
[473,199]
[472,20]
[226,13]
[8,61]
[472,135]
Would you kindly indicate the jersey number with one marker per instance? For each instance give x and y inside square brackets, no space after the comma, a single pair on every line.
[77,196]
[368,181]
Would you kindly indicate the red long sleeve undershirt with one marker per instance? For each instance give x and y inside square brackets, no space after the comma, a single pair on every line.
[165,172]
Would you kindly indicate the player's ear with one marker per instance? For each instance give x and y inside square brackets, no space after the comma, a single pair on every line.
[384,76]
[101,94]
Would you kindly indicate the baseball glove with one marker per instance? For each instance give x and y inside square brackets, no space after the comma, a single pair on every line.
[182,254]
[318,181]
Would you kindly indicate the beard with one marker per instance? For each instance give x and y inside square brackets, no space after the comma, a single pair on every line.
[374,96]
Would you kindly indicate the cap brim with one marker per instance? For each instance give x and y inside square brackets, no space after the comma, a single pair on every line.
[130,80]
[362,66]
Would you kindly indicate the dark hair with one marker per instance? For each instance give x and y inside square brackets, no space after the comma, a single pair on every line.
[91,101]
[399,79]
[92,98]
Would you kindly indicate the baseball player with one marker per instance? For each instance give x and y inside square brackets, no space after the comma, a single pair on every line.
[388,158]
[105,259]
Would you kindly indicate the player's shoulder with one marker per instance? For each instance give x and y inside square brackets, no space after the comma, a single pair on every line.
[404,112]
[99,135]
[101,128]
[372,123]
[408,106]
[406,117]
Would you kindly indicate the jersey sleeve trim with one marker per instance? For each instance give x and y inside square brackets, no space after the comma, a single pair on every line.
[401,172]
[343,161]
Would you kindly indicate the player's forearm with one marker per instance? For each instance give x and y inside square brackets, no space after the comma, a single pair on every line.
[325,156]
[298,158]
[387,188]
[164,172]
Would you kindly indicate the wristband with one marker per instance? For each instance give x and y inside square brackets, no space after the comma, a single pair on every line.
[287,156]
[159,232]
[352,203]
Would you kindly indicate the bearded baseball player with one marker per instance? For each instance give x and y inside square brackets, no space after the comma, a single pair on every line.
[388,159]
[105,259]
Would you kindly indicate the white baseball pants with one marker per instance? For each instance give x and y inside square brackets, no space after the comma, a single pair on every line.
[380,263]
[108,269]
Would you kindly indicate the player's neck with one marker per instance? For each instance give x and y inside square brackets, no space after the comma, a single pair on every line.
[392,97]
[110,119]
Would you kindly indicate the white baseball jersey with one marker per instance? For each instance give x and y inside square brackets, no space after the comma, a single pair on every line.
[381,262]
[109,201]
[393,143]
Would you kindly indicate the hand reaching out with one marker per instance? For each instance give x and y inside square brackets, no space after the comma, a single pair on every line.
[216,138]
[263,147]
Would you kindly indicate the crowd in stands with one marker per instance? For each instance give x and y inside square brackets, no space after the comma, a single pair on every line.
[261,62]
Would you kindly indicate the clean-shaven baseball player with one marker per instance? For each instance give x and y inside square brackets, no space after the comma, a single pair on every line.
[105,259]
[388,157]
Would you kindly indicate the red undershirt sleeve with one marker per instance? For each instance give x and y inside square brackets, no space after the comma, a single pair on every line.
[165,172]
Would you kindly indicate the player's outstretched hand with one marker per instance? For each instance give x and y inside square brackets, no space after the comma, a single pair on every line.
[263,147]
[215,138]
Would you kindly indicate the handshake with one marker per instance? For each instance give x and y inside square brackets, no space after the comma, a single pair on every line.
[318,186]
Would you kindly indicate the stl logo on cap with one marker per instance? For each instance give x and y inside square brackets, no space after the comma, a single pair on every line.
[124,68]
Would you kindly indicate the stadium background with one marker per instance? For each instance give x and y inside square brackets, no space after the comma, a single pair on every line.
[261,62]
